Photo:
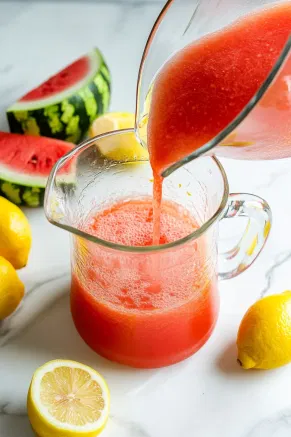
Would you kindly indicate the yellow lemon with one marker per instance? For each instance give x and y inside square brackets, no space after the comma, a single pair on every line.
[15,234]
[11,289]
[67,399]
[120,147]
[264,336]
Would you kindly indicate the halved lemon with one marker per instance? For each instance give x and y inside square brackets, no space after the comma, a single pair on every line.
[123,147]
[67,399]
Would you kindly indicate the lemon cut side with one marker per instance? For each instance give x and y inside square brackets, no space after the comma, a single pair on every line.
[67,399]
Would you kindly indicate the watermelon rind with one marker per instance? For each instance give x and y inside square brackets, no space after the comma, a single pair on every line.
[21,188]
[22,195]
[24,189]
[67,115]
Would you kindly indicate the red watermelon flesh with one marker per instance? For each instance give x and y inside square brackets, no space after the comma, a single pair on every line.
[31,155]
[61,81]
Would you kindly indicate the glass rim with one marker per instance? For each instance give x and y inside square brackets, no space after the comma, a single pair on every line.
[120,247]
[237,120]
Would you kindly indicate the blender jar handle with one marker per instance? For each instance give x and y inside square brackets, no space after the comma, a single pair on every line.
[236,260]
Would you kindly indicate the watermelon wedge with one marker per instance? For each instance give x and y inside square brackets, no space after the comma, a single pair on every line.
[66,104]
[25,164]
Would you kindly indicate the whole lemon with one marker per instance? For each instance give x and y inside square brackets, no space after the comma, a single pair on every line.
[15,234]
[11,289]
[264,336]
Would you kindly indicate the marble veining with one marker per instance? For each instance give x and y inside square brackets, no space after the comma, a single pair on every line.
[132,429]
[20,320]
[6,409]
[279,260]
[276,176]
[278,425]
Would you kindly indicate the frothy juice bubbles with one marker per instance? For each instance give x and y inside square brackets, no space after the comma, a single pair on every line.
[151,310]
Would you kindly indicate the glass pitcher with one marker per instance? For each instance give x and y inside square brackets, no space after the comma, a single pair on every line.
[148,306]
[262,129]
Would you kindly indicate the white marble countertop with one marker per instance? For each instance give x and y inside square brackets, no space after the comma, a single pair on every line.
[207,395]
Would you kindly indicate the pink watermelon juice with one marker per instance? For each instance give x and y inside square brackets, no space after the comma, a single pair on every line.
[143,310]
[207,84]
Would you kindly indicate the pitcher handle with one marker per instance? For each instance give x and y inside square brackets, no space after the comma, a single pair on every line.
[236,260]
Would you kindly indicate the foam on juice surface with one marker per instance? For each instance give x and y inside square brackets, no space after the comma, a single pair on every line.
[138,281]
[131,223]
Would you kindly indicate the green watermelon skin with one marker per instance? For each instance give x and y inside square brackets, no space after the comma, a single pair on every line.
[69,119]
[22,195]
